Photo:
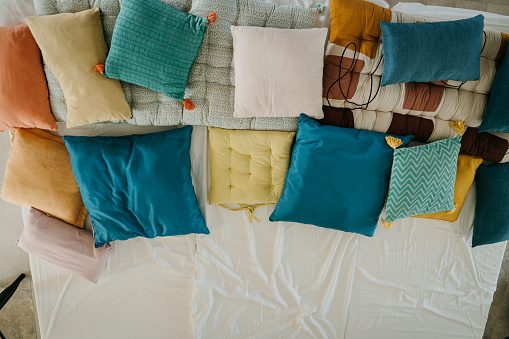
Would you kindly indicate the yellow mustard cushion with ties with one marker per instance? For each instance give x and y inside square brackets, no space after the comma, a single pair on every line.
[248,167]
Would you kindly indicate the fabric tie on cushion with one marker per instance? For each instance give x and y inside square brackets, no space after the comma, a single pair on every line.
[249,210]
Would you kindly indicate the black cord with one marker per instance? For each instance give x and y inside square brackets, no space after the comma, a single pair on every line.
[350,70]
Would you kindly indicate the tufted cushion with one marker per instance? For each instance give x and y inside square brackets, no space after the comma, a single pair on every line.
[154,45]
[71,45]
[39,174]
[211,81]
[422,179]
[248,166]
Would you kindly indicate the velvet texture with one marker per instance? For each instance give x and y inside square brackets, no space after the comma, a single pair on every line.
[432,51]
[72,44]
[496,117]
[24,99]
[137,185]
[491,222]
[338,178]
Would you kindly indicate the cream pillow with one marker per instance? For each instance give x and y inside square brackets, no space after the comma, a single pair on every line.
[278,72]
[71,45]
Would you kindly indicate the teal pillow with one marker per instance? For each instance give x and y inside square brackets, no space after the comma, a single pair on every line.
[338,178]
[496,117]
[137,185]
[422,179]
[432,51]
[154,45]
[491,222]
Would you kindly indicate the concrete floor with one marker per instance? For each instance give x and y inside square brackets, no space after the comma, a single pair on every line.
[18,317]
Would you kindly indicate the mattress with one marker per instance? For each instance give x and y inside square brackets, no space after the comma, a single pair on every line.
[258,280]
[420,279]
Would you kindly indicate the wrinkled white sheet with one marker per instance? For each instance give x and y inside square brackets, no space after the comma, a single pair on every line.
[419,279]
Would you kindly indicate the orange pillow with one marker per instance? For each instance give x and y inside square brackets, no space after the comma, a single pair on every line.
[39,174]
[467,167]
[24,99]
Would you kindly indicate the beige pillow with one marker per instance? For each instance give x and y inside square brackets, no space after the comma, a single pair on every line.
[278,72]
[39,174]
[71,45]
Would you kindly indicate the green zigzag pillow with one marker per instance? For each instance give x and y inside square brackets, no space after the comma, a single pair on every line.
[422,179]
[154,45]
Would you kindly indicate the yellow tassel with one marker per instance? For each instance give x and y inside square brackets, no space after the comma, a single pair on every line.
[454,209]
[386,224]
[393,142]
[249,210]
[458,126]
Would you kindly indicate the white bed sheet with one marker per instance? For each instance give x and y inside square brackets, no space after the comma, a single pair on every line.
[419,279]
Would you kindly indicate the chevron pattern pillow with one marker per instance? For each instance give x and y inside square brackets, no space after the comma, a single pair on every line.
[422,179]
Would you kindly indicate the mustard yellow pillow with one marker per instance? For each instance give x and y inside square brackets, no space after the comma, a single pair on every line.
[467,167]
[71,45]
[39,174]
[248,167]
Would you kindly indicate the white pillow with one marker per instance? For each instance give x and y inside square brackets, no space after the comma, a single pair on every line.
[278,72]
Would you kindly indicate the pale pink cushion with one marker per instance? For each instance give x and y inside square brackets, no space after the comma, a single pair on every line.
[63,245]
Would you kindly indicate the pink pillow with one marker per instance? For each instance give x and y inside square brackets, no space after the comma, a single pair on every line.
[63,245]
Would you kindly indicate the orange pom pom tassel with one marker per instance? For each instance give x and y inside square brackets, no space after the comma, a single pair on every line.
[99,68]
[188,104]
[212,17]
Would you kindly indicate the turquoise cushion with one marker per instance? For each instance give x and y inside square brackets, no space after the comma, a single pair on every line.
[491,222]
[137,185]
[422,179]
[338,178]
[423,52]
[496,117]
[154,45]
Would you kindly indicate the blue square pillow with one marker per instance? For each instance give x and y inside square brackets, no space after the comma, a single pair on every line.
[496,117]
[491,222]
[422,179]
[432,51]
[338,178]
[154,45]
[137,185]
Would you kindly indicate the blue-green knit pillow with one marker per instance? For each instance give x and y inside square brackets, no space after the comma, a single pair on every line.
[154,45]
[422,179]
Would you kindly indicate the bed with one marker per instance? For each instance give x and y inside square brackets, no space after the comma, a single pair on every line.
[420,278]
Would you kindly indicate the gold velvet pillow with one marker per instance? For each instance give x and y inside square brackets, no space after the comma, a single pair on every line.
[71,45]
[248,167]
[39,174]
[467,167]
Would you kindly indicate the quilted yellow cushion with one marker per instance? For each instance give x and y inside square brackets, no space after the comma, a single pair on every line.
[467,167]
[248,166]
[39,174]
